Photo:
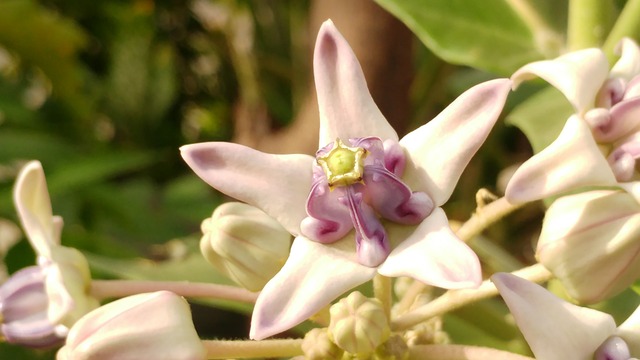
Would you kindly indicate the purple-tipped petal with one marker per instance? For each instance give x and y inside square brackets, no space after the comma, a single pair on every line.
[277,184]
[393,200]
[578,75]
[433,254]
[328,219]
[553,328]
[313,276]
[624,119]
[573,160]
[439,151]
[623,159]
[346,107]
[628,65]
[31,198]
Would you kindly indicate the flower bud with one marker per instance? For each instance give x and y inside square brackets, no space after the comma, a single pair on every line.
[589,241]
[146,326]
[317,346]
[23,311]
[245,244]
[358,324]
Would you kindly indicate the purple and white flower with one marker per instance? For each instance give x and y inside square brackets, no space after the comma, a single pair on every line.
[368,203]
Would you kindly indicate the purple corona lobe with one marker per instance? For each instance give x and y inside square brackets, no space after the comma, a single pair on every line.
[355,185]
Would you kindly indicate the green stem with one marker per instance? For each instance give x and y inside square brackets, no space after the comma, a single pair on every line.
[454,299]
[239,349]
[628,24]
[382,291]
[587,23]
[484,217]
[459,352]
[103,289]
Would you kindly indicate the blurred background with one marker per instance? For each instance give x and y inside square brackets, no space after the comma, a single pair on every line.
[104,93]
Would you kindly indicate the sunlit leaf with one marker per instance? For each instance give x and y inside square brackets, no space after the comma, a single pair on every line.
[487,35]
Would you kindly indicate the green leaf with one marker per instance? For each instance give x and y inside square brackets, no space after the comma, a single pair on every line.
[487,34]
[541,117]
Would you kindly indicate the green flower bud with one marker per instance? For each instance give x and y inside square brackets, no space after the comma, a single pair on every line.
[317,346]
[358,324]
[245,244]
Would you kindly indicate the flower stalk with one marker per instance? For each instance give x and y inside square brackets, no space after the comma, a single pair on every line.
[382,290]
[234,349]
[454,299]
[103,289]
[586,27]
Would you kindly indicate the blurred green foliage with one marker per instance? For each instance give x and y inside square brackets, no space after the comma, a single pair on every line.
[104,93]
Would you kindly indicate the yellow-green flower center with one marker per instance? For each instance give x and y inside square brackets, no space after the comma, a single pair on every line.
[343,165]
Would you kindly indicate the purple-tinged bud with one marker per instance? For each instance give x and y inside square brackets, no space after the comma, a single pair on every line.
[614,348]
[145,326]
[589,241]
[23,308]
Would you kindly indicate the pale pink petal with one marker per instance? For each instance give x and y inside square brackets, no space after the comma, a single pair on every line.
[628,66]
[630,332]
[633,88]
[573,160]
[433,254]
[346,107]
[553,328]
[438,152]
[313,276]
[579,75]
[277,184]
[31,198]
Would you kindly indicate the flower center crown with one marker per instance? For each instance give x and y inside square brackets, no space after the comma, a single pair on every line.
[356,184]
[343,165]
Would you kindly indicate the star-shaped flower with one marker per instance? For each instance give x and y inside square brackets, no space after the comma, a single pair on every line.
[558,330]
[368,203]
[600,143]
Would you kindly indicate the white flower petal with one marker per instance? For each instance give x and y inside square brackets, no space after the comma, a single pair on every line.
[629,331]
[313,276]
[573,160]
[346,107]
[277,184]
[628,65]
[33,204]
[432,254]
[439,151]
[553,328]
[579,75]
